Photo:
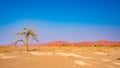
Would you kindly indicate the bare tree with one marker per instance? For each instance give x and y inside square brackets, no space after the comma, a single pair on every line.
[16,41]
[27,33]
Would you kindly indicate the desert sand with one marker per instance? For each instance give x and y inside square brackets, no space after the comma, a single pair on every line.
[59,57]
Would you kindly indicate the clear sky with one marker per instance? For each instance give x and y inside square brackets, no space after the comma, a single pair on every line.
[67,20]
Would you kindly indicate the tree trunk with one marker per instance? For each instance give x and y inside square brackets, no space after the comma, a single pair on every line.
[26,43]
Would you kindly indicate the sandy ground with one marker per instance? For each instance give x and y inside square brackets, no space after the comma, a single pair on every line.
[60,57]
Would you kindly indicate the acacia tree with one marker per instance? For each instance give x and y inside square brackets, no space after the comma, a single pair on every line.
[28,33]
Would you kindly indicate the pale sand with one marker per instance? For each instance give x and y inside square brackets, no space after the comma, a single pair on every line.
[27,58]
[79,62]
[116,63]
[3,56]
[99,53]
[41,53]
[69,54]
[8,57]
[106,60]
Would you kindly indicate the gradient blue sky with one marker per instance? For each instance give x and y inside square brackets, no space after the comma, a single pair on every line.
[67,20]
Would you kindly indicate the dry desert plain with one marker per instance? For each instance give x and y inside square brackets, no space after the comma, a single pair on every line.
[59,57]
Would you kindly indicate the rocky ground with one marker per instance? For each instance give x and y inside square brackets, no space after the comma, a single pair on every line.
[59,57]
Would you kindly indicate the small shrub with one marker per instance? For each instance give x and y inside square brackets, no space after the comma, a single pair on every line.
[118,58]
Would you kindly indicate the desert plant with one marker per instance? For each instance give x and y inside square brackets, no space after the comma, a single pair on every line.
[118,58]
[27,33]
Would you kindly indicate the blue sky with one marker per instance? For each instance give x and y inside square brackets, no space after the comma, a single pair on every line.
[67,20]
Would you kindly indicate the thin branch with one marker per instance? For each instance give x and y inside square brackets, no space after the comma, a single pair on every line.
[20,33]
[15,42]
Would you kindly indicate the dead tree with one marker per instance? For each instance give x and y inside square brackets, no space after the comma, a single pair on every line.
[28,33]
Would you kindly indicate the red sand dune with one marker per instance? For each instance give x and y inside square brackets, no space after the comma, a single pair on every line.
[97,43]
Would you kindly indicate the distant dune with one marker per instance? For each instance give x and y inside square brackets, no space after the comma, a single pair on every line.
[96,43]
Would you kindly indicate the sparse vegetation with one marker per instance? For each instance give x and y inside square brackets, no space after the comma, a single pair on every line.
[118,58]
